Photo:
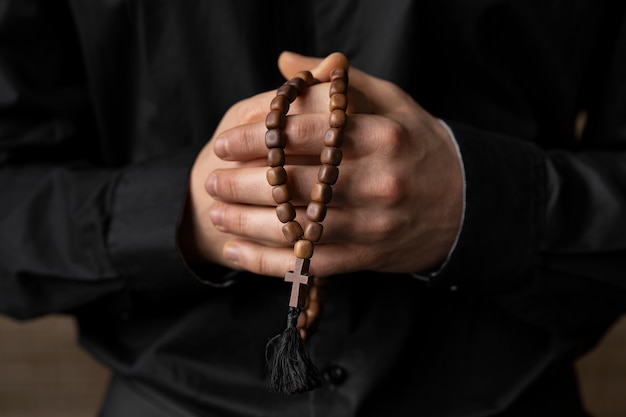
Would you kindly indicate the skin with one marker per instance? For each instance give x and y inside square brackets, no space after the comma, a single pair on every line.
[397,204]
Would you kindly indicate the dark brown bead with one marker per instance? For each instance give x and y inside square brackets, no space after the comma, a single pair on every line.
[275,120]
[276,176]
[338,102]
[322,193]
[328,174]
[316,211]
[292,231]
[303,249]
[313,231]
[285,212]
[337,86]
[275,156]
[280,103]
[307,76]
[331,155]
[299,84]
[339,73]
[275,138]
[337,118]
[333,137]
[281,194]
[288,91]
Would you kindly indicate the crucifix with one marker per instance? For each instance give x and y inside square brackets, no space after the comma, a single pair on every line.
[300,280]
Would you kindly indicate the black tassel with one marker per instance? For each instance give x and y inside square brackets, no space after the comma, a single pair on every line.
[291,371]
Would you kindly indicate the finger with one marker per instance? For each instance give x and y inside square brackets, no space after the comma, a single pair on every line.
[290,63]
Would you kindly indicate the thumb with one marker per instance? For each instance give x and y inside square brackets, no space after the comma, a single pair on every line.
[289,63]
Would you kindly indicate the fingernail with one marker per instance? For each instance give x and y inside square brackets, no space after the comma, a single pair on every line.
[219,147]
[231,253]
[211,185]
[217,215]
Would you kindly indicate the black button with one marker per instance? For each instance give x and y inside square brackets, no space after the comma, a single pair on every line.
[335,375]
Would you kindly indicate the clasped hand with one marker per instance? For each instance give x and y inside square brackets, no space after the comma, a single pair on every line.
[397,204]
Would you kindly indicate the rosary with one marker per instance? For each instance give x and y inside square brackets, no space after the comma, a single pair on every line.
[290,369]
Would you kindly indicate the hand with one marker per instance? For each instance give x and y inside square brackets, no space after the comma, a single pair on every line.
[396,206]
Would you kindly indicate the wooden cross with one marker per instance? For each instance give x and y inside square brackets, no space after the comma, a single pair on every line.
[300,280]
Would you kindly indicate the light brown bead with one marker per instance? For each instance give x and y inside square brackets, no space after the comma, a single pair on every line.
[337,86]
[313,231]
[285,212]
[275,156]
[303,249]
[302,319]
[275,120]
[316,211]
[281,194]
[337,118]
[280,103]
[288,91]
[338,102]
[328,174]
[339,73]
[331,156]
[292,231]
[322,193]
[275,138]
[276,176]
[333,137]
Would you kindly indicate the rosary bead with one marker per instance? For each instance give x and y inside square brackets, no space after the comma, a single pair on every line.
[275,156]
[276,176]
[280,103]
[333,137]
[328,174]
[275,138]
[337,118]
[303,249]
[307,76]
[339,74]
[337,86]
[299,84]
[275,120]
[285,212]
[281,194]
[292,231]
[289,91]
[331,156]
[322,193]
[338,102]
[313,231]
[316,211]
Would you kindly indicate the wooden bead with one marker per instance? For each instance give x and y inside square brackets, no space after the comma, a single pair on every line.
[281,194]
[337,86]
[303,249]
[292,231]
[288,91]
[275,138]
[313,231]
[280,103]
[338,102]
[339,73]
[331,156]
[298,83]
[337,119]
[316,211]
[322,193]
[285,212]
[275,120]
[276,176]
[328,174]
[307,76]
[275,156]
[333,137]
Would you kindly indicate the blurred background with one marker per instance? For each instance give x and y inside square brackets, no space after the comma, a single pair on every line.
[43,372]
